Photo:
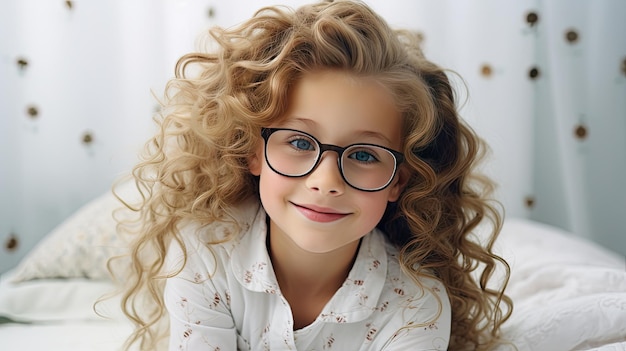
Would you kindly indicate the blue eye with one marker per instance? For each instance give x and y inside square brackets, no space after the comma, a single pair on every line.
[363,156]
[302,144]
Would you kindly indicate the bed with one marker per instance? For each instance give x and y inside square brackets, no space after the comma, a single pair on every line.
[569,293]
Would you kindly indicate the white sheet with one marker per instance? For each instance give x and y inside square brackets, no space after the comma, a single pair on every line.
[64,336]
[569,294]
[57,314]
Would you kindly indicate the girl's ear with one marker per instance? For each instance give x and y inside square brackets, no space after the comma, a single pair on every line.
[255,162]
[396,188]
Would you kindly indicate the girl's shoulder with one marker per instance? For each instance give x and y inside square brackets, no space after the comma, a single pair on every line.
[208,243]
[226,253]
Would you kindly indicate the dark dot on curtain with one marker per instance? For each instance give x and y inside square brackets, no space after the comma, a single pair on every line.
[529,201]
[533,73]
[22,63]
[571,36]
[87,138]
[12,243]
[69,4]
[211,12]
[532,18]
[623,67]
[32,111]
[581,132]
[486,70]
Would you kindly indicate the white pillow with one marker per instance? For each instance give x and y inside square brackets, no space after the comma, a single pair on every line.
[80,246]
[51,300]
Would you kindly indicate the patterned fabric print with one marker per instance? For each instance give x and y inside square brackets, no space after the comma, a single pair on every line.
[227,298]
[256,276]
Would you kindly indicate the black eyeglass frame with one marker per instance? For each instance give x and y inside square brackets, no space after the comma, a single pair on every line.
[398,156]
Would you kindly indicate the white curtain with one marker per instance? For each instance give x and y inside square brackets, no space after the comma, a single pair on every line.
[546,87]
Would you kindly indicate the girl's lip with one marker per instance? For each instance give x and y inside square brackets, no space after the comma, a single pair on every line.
[320,214]
[320,209]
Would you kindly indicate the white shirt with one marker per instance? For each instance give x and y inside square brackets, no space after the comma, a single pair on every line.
[227,298]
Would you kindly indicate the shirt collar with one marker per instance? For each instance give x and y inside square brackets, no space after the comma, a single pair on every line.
[250,260]
[358,297]
[354,301]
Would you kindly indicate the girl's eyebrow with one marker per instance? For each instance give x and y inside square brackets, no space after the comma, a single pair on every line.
[302,120]
[375,135]
[312,125]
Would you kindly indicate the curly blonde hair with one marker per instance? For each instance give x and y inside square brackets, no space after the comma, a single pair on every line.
[195,167]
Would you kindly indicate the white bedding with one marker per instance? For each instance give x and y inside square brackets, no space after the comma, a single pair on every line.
[63,336]
[569,294]
[58,314]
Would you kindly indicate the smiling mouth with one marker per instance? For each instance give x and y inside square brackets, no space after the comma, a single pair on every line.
[321,215]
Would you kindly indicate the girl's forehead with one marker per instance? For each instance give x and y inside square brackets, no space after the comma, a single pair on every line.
[334,103]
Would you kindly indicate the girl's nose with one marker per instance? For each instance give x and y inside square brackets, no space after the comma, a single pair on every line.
[326,177]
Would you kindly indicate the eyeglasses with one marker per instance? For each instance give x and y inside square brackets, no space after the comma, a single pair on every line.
[366,167]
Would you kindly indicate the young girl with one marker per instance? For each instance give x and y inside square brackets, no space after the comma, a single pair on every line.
[311,187]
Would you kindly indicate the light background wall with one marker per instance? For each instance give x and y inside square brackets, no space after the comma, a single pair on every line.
[546,88]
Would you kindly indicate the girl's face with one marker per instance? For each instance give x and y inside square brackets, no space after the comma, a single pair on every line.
[320,212]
